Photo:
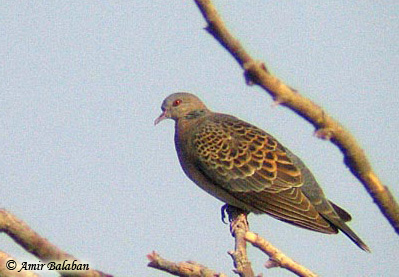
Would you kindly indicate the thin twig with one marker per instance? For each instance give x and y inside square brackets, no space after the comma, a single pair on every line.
[277,258]
[326,127]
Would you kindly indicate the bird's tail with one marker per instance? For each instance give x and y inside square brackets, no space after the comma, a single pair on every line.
[339,220]
[350,234]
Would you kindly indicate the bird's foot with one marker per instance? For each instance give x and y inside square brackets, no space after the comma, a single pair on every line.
[236,216]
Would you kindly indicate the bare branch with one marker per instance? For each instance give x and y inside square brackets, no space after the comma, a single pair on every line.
[277,258]
[326,127]
[189,268]
[22,234]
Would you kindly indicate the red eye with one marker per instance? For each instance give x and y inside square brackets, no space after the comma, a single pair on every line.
[176,103]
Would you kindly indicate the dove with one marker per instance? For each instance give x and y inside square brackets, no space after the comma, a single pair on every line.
[245,167]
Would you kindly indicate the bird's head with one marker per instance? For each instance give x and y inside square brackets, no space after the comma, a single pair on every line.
[181,105]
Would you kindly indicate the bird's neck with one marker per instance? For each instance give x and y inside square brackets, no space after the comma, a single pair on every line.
[187,123]
[195,114]
[190,120]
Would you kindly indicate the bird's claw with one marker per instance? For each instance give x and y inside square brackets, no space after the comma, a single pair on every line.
[237,217]
[223,211]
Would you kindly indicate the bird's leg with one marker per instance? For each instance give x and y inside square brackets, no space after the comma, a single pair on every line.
[237,218]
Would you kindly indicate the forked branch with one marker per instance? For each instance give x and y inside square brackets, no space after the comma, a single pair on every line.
[240,231]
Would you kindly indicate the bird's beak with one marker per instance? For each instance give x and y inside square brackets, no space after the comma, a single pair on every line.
[160,118]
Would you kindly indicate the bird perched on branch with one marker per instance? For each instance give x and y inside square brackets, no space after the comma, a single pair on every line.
[247,168]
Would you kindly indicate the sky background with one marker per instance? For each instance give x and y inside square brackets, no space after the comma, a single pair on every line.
[82,163]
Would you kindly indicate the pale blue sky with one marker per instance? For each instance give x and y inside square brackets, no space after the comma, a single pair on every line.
[81,162]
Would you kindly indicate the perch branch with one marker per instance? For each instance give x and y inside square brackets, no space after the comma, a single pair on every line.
[238,228]
[22,234]
[326,127]
[240,231]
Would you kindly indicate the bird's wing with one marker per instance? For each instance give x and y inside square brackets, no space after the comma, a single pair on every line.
[242,157]
[254,167]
